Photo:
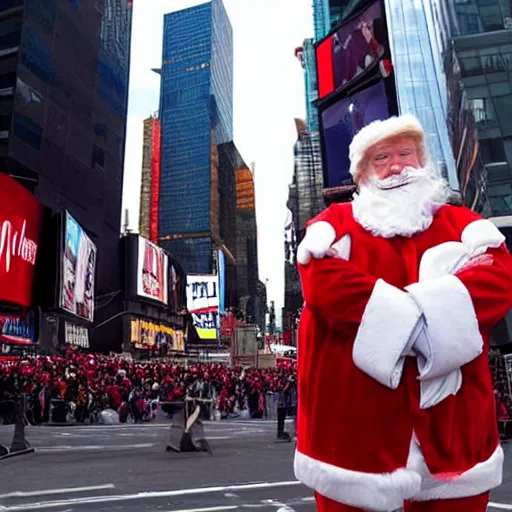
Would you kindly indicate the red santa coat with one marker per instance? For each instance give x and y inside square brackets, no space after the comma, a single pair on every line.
[360,442]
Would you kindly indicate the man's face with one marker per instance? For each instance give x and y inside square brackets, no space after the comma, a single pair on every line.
[390,157]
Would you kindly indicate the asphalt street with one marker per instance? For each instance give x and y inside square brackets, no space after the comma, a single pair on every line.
[126,468]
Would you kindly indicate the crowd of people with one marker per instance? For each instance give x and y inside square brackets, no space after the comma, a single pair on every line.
[82,385]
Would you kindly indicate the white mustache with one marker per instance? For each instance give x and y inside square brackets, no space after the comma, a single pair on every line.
[408,175]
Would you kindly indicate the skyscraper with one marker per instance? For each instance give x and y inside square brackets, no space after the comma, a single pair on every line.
[196,114]
[63,95]
[476,40]
[327,13]
[150,179]
[419,78]
[306,56]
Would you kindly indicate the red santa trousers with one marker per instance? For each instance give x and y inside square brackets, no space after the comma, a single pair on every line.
[473,504]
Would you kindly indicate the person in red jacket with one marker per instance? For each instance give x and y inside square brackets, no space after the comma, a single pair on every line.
[396,404]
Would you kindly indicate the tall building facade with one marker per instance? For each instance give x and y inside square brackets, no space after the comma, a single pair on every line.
[64,70]
[478,44]
[246,243]
[150,179]
[327,13]
[419,78]
[307,175]
[196,114]
[306,56]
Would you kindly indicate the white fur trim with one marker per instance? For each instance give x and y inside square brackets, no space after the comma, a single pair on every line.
[449,257]
[481,478]
[434,391]
[374,491]
[454,337]
[343,247]
[376,132]
[482,233]
[319,237]
[385,334]
[442,260]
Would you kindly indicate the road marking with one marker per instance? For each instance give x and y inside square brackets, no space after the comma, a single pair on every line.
[92,447]
[209,509]
[149,495]
[500,506]
[47,492]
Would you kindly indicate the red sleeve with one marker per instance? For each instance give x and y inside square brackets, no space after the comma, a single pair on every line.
[334,215]
[337,291]
[490,286]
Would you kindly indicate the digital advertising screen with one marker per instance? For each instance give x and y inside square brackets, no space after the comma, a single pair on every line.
[203,304]
[20,226]
[358,48]
[78,270]
[152,271]
[341,121]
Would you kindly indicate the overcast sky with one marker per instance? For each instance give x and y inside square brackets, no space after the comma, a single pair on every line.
[268,95]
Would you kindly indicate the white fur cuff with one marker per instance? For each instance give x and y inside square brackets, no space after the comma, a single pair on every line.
[368,491]
[482,477]
[386,333]
[317,241]
[454,337]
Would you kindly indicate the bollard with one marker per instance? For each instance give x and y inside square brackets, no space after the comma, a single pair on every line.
[19,444]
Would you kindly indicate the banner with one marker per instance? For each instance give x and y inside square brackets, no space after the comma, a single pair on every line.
[20,227]
[15,331]
[76,335]
[78,271]
[152,271]
[203,304]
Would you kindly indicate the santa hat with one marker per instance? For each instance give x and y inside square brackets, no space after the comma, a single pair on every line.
[376,132]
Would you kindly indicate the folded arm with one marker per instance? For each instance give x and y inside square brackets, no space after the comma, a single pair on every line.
[458,308]
[381,316]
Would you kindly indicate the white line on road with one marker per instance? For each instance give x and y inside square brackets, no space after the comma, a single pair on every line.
[499,506]
[47,492]
[209,509]
[149,495]
[92,447]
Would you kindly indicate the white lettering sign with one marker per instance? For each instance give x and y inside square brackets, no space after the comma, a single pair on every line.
[202,292]
[77,335]
[14,244]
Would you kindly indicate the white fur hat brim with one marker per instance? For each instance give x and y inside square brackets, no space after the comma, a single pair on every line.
[376,132]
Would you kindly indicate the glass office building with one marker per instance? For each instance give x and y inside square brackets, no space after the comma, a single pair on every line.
[310,83]
[419,76]
[63,102]
[196,114]
[327,13]
[481,38]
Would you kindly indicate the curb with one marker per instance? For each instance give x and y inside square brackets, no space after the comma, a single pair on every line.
[20,452]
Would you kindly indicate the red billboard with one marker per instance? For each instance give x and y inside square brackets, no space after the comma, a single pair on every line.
[155,180]
[20,227]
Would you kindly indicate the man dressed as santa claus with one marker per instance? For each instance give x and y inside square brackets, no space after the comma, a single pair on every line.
[396,405]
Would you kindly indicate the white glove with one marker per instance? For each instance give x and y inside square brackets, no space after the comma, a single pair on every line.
[341,249]
[433,390]
[318,240]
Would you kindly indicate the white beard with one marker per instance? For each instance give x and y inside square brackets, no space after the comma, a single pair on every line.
[401,205]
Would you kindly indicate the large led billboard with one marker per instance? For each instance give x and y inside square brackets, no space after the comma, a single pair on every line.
[78,269]
[341,121]
[203,304]
[357,49]
[20,227]
[152,271]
